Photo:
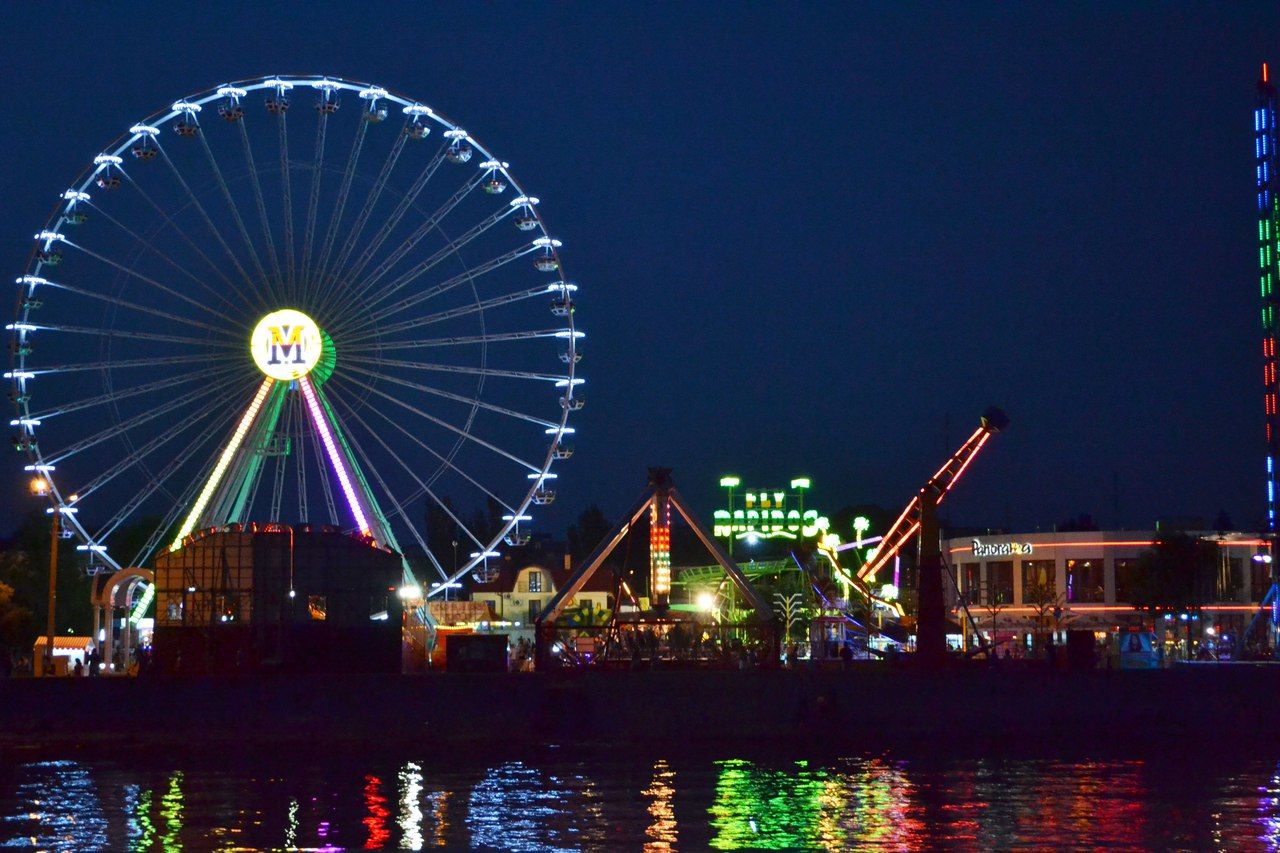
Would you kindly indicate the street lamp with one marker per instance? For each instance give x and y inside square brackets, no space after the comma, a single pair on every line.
[730,482]
[799,484]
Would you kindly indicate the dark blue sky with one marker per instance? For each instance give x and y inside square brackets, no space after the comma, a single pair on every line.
[806,233]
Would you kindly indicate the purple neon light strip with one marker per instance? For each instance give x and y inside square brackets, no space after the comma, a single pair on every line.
[335,458]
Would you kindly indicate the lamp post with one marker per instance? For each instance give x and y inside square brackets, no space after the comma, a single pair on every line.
[800,484]
[730,483]
[40,486]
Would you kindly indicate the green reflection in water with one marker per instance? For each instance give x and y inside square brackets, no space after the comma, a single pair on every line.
[775,809]
[171,811]
[142,832]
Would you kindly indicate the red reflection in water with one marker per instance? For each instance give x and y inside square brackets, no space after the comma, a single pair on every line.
[376,821]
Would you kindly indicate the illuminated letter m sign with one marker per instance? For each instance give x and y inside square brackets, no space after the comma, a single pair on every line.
[286,345]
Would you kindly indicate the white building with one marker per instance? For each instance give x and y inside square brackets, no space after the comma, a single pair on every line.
[1094,577]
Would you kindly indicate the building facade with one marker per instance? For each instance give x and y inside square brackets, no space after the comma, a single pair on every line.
[1090,580]
[517,596]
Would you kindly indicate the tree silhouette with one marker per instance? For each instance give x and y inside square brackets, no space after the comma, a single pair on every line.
[585,533]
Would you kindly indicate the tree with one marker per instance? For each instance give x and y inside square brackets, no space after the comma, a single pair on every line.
[994,604]
[1042,595]
[1079,524]
[1176,576]
[587,532]
[789,610]
[17,623]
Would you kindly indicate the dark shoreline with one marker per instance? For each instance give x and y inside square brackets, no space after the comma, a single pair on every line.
[802,712]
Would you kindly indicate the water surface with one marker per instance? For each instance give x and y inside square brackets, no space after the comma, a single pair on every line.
[558,800]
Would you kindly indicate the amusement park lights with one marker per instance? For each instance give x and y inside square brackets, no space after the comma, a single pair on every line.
[660,550]
[221,454]
[228,453]
[335,458]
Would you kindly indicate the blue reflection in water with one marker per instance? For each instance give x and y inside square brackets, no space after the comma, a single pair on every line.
[58,809]
[569,803]
[514,808]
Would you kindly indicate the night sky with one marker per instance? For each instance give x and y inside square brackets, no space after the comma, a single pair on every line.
[808,236]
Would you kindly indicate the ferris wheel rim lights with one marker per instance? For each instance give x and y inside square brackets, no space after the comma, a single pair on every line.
[183,113]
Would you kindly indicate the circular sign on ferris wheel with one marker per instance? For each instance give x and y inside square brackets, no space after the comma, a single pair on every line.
[286,344]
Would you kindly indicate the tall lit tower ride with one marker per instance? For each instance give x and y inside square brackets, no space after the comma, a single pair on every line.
[1264,127]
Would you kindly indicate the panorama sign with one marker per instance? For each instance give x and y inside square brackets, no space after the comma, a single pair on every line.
[286,344]
[1000,549]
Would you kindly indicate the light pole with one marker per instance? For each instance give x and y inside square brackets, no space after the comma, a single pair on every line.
[800,484]
[40,486]
[730,483]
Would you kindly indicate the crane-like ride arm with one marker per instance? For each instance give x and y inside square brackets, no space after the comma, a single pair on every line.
[908,524]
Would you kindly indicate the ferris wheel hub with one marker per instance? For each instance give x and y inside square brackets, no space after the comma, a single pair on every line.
[287,344]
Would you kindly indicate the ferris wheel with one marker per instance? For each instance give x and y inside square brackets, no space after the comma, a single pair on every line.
[296,300]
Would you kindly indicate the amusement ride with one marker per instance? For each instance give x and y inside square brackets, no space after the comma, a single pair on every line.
[296,300]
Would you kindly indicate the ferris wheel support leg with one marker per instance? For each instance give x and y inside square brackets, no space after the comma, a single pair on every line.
[219,469]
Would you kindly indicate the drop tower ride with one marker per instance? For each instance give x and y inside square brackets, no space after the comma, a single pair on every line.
[1264,128]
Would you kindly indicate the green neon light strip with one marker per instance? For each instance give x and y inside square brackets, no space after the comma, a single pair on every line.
[365,492]
[253,454]
[140,609]
[384,528]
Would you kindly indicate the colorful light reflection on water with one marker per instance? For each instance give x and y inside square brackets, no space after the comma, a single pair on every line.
[560,801]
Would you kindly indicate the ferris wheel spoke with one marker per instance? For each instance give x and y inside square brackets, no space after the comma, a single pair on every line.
[344,192]
[402,207]
[459,431]
[115,396]
[141,453]
[235,213]
[76,367]
[450,248]
[155,250]
[458,398]
[211,390]
[396,504]
[185,497]
[208,221]
[448,463]
[313,204]
[261,203]
[457,340]
[366,210]
[426,489]
[286,190]
[142,336]
[459,368]
[373,317]
[141,309]
[143,278]
[463,310]
[180,232]
[173,466]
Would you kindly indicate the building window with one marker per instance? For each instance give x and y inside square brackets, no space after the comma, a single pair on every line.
[1085,581]
[535,581]
[535,608]
[999,582]
[1230,575]
[1260,580]
[1039,581]
[1128,581]
[971,580]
